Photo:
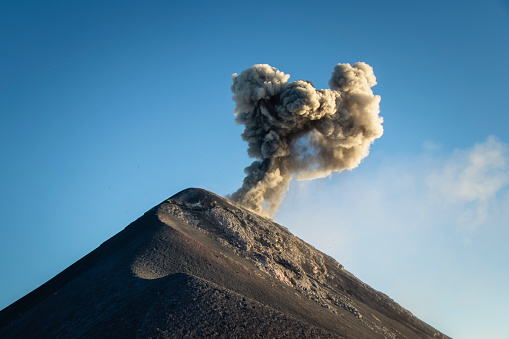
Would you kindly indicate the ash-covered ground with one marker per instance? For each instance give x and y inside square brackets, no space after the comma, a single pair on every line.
[198,265]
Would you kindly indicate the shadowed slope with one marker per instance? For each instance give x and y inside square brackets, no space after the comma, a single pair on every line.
[197,265]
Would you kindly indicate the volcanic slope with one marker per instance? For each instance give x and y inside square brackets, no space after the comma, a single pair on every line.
[198,265]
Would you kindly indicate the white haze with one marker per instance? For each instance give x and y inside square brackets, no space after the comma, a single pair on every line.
[435,223]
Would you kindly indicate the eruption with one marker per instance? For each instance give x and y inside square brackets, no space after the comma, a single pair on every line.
[294,130]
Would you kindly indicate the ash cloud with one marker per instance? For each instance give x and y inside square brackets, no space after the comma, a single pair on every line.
[294,130]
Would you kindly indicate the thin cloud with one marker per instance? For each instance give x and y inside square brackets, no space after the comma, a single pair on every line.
[469,180]
[462,189]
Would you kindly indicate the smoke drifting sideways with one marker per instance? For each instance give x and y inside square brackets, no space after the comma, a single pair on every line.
[296,131]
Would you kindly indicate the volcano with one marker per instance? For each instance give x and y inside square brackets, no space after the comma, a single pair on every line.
[198,265]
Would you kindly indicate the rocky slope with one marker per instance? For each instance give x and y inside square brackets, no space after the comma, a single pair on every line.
[198,265]
[277,252]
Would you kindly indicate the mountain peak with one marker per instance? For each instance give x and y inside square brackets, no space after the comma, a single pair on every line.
[230,266]
[198,197]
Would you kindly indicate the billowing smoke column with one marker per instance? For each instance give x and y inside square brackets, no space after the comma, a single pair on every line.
[295,130]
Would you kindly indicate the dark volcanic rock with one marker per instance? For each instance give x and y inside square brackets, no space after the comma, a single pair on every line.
[198,265]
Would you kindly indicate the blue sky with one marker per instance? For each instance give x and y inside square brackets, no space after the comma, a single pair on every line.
[106,109]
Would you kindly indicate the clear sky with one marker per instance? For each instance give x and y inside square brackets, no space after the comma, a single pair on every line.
[108,108]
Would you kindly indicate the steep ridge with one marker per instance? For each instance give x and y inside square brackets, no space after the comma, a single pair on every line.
[198,265]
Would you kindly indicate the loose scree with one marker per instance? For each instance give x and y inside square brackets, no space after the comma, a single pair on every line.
[294,130]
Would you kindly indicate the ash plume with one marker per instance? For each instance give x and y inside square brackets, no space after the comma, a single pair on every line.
[294,130]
